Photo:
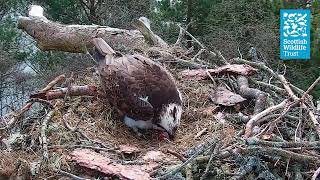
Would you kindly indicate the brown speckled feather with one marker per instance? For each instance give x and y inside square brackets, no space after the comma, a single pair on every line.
[128,79]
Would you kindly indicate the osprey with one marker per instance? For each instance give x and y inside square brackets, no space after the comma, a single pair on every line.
[142,90]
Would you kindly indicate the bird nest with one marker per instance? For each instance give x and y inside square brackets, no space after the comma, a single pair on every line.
[83,136]
[87,122]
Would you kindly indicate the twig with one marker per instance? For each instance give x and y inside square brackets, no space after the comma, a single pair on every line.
[283,153]
[212,79]
[81,146]
[44,139]
[306,144]
[270,86]
[313,119]
[42,101]
[297,132]
[183,62]
[200,133]
[193,38]
[205,174]
[316,174]
[223,155]
[313,85]
[285,111]
[53,83]
[181,34]
[189,160]
[286,86]
[251,123]
[176,154]
[189,174]
[198,54]
[67,174]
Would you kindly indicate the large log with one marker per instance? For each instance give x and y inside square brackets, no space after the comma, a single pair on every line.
[77,38]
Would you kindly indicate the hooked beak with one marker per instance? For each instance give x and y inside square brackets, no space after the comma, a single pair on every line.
[171,135]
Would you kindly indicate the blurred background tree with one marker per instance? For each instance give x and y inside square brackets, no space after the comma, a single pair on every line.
[233,27]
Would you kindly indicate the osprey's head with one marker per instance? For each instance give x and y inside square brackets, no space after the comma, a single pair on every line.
[170,119]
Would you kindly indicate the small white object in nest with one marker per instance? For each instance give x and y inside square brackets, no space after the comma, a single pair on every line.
[36,11]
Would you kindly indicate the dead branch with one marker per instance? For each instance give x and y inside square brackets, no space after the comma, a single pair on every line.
[271,151]
[179,39]
[56,80]
[316,174]
[195,57]
[247,92]
[189,160]
[183,63]
[44,102]
[87,90]
[176,154]
[143,25]
[270,86]
[286,86]
[44,139]
[284,112]
[205,174]
[192,37]
[82,146]
[77,38]
[313,85]
[306,144]
[252,122]
[313,119]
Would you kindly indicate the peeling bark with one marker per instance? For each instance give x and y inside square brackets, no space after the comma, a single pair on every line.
[77,38]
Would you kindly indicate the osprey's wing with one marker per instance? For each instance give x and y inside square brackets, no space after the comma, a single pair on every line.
[125,89]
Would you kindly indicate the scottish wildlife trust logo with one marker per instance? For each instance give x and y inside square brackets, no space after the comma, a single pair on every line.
[294,34]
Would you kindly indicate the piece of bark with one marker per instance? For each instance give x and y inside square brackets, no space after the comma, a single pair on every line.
[233,69]
[126,149]
[95,161]
[223,96]
[77,38]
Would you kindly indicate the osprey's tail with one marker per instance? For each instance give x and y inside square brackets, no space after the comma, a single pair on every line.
[101,50]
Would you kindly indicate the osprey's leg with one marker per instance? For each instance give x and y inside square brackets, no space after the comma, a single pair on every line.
[132,124]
